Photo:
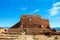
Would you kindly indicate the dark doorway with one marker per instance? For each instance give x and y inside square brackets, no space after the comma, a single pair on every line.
[40,26]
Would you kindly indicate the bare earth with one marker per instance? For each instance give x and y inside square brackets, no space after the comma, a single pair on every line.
[28,37]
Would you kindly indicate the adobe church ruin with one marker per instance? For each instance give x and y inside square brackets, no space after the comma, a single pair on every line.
[32,24]
[32,21]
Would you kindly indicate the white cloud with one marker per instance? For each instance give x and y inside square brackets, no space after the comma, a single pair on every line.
[23,8]
[35,11]
[55,9]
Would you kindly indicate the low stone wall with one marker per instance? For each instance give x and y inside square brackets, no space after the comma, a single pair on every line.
[30,31]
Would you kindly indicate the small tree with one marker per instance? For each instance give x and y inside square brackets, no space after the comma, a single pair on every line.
[54,30]
[1,28]
[46,33]
[56,38]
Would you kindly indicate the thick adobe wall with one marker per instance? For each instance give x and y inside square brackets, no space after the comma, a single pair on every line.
[34,21]
[45,23]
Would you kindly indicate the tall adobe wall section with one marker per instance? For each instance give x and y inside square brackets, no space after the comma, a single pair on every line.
[32,21]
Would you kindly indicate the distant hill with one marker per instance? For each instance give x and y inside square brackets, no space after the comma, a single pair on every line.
[1,27]
[4,27]
[57,28]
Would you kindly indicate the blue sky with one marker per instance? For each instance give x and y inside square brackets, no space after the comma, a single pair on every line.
[12,10]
